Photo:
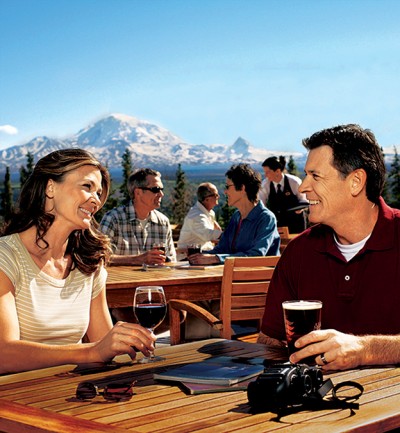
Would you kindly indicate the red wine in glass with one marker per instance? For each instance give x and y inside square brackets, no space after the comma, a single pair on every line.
[193,249]
[150,315]
[160,246]
[150,308]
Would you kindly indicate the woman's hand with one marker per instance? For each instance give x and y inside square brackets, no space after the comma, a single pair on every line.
[340,351]
[124,338]
[203,259]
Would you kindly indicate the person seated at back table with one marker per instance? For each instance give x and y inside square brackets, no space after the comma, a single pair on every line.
[349,259]
[252,229]
[136,227]
[199,226]
[280,192]
[52,275]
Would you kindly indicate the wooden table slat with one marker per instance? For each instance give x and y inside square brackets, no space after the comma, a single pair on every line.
[43,401]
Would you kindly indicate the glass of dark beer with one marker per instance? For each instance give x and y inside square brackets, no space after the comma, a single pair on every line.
[301,317]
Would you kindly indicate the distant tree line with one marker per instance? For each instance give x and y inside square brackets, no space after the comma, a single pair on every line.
[180,194]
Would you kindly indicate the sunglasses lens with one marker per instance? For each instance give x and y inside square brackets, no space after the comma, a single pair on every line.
[86,391]
[118,391]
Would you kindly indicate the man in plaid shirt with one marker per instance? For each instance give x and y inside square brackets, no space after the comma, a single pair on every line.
[136,228]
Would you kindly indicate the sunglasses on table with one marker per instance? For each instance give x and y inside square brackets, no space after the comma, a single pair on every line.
[153,189]
[112,392]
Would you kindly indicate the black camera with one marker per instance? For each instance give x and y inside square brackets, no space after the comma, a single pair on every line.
[283,385]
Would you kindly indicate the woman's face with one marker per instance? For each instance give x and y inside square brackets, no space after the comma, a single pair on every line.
[76,199]
[233,196]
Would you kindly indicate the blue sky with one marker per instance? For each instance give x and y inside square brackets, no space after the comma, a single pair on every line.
[271,71]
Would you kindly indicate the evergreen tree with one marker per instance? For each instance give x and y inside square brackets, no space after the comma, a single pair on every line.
[7,197]
[386,190]
[225,215]
[394,177]
[24,172]
[292,167]
[126,171]
[181,201]
[111,202]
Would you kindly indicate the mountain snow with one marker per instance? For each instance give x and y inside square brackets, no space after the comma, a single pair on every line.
[150,146]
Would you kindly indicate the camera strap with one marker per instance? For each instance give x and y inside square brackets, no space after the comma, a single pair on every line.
[348,401]
[347,398]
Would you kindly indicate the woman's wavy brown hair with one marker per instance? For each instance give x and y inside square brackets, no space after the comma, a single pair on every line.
[89,248]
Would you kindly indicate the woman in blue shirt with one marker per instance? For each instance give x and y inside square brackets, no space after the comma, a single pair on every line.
[252,230]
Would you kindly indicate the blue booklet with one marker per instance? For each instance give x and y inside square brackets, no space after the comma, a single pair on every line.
[220,370]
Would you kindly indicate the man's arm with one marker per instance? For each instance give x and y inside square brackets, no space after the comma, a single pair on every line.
[151,257]
[201,226]
[344,351]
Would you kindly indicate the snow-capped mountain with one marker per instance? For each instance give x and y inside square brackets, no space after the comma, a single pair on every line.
[149,144]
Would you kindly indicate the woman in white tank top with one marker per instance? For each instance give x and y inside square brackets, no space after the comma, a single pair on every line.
[52,274]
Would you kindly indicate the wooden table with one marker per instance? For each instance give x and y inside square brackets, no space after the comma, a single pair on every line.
[189,284]
[44,401]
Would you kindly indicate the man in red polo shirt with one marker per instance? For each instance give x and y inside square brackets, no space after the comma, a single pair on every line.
[350,258]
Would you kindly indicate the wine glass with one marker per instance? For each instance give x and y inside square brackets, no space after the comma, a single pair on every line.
[160,246]
[150,308]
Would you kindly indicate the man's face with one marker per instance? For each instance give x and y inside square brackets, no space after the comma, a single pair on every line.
[147,199]
[211,200]
[271,175]
[329,194]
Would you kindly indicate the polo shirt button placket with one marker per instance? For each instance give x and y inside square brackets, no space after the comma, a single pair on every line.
[346,292]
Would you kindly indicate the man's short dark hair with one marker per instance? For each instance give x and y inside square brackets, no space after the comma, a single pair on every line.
[243,174]
[138,179]
[353,147]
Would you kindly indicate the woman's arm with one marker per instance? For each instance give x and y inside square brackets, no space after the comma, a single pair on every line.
[18,355]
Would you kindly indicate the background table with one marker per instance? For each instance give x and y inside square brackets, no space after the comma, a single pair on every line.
[181,283]
[43,401]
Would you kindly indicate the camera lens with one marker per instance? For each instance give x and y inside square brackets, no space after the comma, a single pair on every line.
[317,378]
[308,384]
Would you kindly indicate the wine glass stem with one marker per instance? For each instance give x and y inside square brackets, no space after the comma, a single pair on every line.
[152,353]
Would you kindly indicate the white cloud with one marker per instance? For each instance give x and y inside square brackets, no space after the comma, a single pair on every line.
[8,129]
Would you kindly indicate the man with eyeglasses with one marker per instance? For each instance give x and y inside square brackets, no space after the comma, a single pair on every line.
[137,227]
[200,226]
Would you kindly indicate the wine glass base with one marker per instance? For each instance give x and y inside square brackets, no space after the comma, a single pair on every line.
[149,360]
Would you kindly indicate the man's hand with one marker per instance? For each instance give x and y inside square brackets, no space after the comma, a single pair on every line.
[340,351]
[152,257]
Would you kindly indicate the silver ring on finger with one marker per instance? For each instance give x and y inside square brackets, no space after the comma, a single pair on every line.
[323,359]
